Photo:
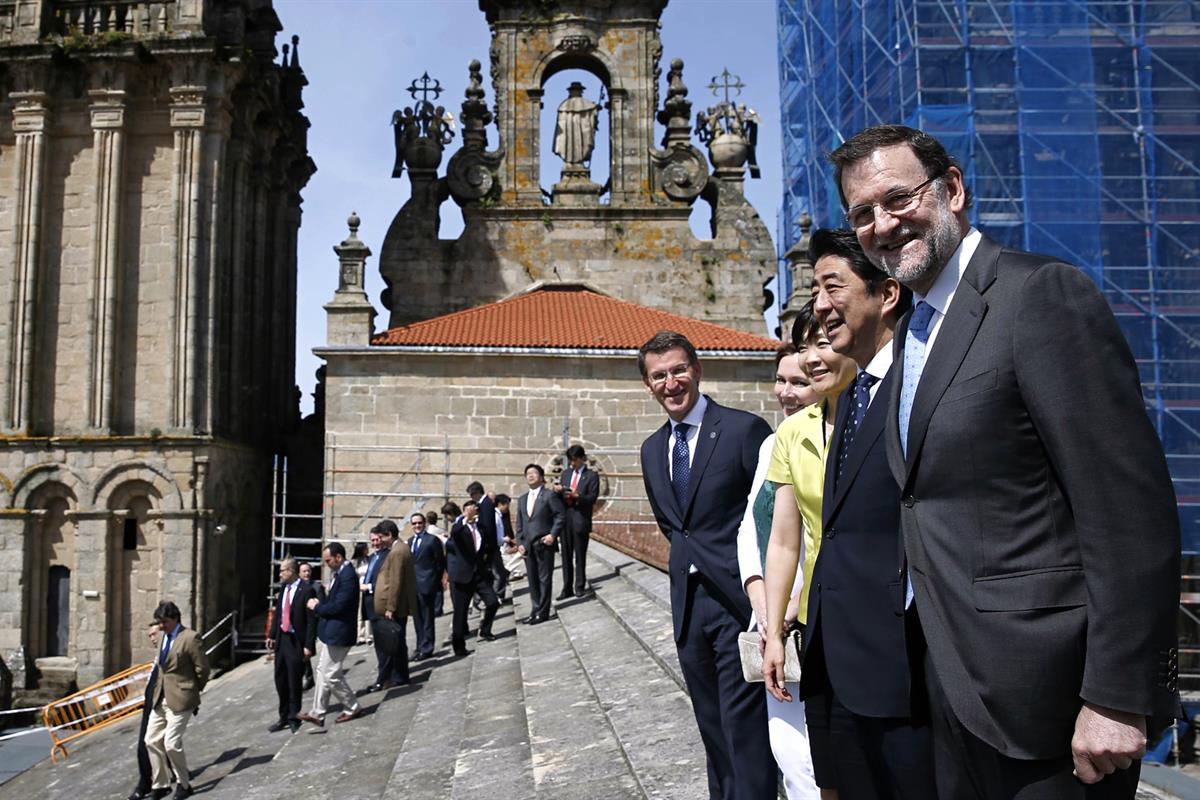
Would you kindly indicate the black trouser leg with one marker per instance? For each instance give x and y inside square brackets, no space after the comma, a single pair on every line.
[289,675]
[544,572]
[423,625]
[385,660]
[460,596]
[501,582]
[145,777]
[491,604]
[400,657]
[581,547]
[566,541]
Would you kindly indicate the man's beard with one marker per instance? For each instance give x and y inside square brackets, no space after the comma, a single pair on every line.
[941,240]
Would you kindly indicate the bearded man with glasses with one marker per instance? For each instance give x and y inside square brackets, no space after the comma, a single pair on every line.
[1040,569]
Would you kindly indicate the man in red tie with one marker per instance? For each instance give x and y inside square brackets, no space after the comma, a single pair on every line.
[293,639]
[579,489]
[469,565]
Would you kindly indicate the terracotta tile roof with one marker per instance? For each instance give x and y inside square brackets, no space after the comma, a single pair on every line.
[569,316]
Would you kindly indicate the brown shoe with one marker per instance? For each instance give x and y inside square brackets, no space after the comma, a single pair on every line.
[307,717]
[346,716]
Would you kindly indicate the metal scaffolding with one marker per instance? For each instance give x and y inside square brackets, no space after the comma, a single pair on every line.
[1079,124]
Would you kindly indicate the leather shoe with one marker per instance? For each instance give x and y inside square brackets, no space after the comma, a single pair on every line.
[529,620]
[139,793]
[158,794]
[375,687]
[304,716]
[181,792]
[564,595]
[536,620]
[488,637]
[462,652]
[276,727]
[294,725]
[346,716]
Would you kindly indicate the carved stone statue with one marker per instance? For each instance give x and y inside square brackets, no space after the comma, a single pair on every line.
[575,130]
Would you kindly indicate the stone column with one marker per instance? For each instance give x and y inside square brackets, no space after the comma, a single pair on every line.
[349,317]
[108,121]
[216,236]
[13,525]
[187,120]
[90,593]
[31,116]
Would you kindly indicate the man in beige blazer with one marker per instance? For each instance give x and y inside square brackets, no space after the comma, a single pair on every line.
[182,673]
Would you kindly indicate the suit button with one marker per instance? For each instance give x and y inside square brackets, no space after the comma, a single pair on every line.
[908,501]
[829,534]
[685,533]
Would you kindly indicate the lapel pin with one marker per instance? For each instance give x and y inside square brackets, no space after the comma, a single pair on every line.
[712,435]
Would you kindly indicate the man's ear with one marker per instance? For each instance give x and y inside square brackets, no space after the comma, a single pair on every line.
[891,291]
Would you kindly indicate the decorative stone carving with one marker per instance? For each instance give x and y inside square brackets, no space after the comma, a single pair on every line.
[473,172]
[680,170]
[422,130]
[730,130]
[576,43]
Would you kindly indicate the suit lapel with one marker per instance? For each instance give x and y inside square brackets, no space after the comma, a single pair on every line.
[845,401]
[659,473]
[954,339]
[706,442]
[864,439]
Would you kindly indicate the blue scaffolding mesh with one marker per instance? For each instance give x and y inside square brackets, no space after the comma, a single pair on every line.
[1079,122]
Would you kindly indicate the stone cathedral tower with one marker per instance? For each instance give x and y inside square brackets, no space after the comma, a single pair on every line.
[630,237]
[151,160]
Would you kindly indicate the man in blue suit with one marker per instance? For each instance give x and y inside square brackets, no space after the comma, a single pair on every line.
[468,562]
[430,559]
[698,468]
[854,639]
[337,631]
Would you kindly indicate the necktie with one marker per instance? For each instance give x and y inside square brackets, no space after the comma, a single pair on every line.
[166,648]
[681,468]
[914,364]
[862,399]
[575,481]
[416,544]
[285,624]
[475,537]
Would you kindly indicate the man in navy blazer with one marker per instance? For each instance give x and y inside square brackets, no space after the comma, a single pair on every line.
[697,469]
[337,631]
[854,643]
[468,561]
[1040,529]
[429,558]
[540,521]
[579,489]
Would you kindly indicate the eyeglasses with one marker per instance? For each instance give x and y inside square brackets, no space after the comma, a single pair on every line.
[894,203]
[678,372]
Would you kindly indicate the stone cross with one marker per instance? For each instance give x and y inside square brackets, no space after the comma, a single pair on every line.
[725,85]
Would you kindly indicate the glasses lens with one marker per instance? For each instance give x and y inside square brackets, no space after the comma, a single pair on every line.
[861,217]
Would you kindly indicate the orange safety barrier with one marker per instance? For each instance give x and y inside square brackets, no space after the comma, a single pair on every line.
[98,706]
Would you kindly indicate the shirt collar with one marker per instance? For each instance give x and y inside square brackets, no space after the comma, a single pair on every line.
[881,363]
[694,417]
[941,294]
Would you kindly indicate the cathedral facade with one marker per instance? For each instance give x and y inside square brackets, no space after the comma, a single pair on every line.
[152,156]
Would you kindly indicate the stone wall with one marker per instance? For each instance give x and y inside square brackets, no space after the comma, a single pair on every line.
[485,416]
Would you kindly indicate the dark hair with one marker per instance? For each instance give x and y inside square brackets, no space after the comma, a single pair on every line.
[663,341]
[336,549]
[806,326]
[928,150]
[431,517]
[450,509]
[538,467]
[576,451]
[167,610]
[783,351]
[475,487]
[470,503]
[503,499]
[387,527]
[843,243]
[360,550]
[418,514]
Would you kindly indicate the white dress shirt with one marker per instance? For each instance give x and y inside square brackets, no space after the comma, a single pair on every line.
[941,294]
[695,418]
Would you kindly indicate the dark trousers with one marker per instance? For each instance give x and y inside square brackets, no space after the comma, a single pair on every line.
[539,571]
[501,582]
[460,595]
[145,776]
[439,602]
[392,666]
[574,560]
[731,713]
[423,623]
[967,767]
[289,675]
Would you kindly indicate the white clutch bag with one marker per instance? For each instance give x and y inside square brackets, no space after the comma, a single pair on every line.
[752,663]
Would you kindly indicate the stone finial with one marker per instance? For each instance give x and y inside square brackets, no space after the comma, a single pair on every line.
[730,130]
[475,114]
[295,52]
[284,62]
[471,174]
[349,316]
[676,114]
[353,222]
[421,131]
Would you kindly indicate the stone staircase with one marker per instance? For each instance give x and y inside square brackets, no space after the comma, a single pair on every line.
[589,705]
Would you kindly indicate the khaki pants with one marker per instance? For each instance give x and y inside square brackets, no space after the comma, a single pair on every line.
[164,743]
[330,679]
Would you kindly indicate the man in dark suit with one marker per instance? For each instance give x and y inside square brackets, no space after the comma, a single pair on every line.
[539,525]
[489,525]
[145,776]
[395,601]
[698,469]
[854,637]
[429,559]
[293,640]
[337,631]
[579,489]
[1040,530]
[468,562]
[388,671]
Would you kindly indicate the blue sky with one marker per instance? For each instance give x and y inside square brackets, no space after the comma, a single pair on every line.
[359,55]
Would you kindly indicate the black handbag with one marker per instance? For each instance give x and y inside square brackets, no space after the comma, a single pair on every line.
[388,632]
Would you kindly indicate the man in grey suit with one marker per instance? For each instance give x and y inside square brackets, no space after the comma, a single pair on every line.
[539,524]
[1041,537]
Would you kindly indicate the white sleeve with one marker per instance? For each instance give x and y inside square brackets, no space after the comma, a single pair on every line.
[749,559]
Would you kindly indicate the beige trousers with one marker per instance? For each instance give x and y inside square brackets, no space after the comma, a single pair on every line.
[164,743]
[330,679]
